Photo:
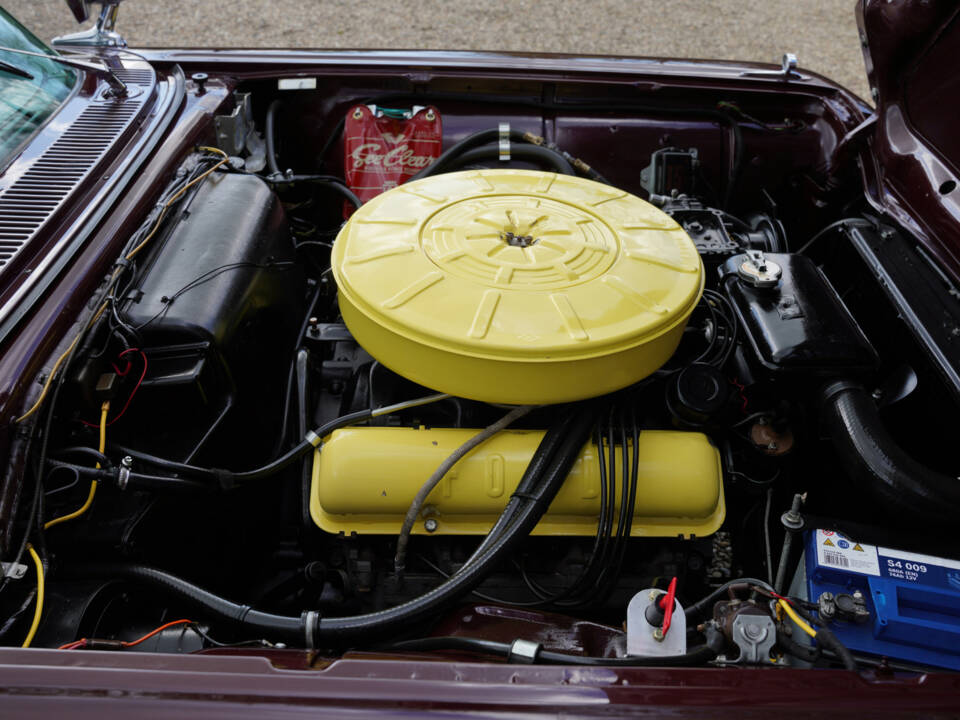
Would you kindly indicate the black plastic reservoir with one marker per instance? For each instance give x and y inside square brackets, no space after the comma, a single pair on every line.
[792,317]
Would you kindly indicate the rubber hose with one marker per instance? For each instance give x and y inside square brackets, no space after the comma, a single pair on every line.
[792,647]
[878,464]
[416,506]
[541,458]
[525,151]
[163,463]
[268,131]
[328,181]
[137,481]
[692,611]
[575,427]
[828,641]
[261,624]
[699,655]
[141,481]
[482,137]
[88,451]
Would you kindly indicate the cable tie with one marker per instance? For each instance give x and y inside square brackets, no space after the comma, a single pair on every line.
[523,652]
[523,495]
[504,142]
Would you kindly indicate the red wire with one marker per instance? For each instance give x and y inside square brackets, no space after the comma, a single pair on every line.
[154,632]
[132,393]
[741,388]
[778,596]
[82,642]
[666,604]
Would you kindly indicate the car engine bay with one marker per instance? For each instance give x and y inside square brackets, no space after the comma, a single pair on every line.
[567,383]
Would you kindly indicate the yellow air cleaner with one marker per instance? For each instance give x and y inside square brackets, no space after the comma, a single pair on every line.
[514,286]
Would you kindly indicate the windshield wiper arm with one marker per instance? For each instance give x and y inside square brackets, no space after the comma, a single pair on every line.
[14,70]
[117,88]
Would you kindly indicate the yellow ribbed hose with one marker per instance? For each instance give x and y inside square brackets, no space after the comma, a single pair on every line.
[104,409]
[38,611]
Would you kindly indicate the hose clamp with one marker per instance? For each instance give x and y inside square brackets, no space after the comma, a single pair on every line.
[836,387]
[523,652]
[312,438]
[311,620]
[504,142]
[123,474]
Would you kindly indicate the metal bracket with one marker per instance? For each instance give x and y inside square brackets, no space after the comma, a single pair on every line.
[642,638]
[755,635]
[407,114]
[14,570]
[788,70]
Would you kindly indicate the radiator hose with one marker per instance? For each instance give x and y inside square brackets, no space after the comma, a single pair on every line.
[878,464]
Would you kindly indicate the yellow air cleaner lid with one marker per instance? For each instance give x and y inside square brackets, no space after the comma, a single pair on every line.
[515,286]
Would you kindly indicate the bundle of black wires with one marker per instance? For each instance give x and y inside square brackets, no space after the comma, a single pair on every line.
[619,434]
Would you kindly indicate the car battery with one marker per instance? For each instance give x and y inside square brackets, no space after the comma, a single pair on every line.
[886,602]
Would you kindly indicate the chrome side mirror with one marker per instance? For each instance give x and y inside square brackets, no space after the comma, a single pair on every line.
[102,34]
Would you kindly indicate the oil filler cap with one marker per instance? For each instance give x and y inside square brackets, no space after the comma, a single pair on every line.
[515,286]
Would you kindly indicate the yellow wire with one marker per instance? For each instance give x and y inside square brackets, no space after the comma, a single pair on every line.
[104,409]
[801,623]
[177,196]
[130,256]
[56,366]
[38,611]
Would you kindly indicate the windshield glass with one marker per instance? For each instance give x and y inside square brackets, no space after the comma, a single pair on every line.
[26,103]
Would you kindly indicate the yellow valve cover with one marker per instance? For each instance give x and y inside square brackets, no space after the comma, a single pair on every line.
[515,286]
[365,478]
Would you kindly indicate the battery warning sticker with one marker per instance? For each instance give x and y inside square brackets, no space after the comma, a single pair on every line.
[840,552]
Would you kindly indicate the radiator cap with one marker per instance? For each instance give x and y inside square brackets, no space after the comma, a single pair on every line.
[515,286]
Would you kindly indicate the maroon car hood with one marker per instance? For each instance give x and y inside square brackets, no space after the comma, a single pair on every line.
[910,51]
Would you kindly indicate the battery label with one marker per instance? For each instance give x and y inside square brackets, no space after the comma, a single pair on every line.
[919,569]
[840,552]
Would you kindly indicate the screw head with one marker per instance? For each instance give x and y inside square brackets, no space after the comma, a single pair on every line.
[430,525]
[200,79]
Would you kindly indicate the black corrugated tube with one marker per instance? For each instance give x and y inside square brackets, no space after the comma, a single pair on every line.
[878,464]
[276,627]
